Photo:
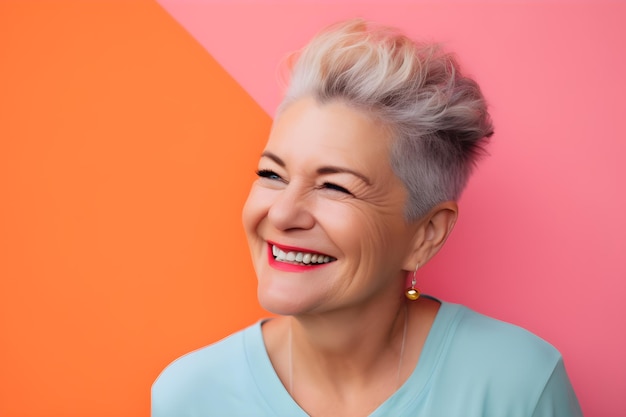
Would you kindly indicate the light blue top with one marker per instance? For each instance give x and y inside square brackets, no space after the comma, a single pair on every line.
[471,365]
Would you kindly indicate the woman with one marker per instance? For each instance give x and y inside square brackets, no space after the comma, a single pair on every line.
[357,190]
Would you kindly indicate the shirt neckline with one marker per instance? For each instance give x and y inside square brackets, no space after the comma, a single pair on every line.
[280,401]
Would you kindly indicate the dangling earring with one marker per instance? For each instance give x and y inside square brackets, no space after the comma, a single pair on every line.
[413,293]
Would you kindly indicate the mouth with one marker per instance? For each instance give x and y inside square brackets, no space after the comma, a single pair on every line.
[296,256]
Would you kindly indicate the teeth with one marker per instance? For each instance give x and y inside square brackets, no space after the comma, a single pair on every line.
[300,257]
[306,259]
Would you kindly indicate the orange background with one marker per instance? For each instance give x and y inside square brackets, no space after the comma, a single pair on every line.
[129,133]
[122,176]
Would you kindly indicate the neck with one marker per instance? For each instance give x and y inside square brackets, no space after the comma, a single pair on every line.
[348,348]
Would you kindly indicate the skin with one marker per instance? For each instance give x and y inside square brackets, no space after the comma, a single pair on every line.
[326,186]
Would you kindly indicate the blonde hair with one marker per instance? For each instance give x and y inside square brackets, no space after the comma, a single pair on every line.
[437,116]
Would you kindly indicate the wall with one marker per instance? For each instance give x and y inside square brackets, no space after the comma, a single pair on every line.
[129,133]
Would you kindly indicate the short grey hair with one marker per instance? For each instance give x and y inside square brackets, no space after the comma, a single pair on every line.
[437,116]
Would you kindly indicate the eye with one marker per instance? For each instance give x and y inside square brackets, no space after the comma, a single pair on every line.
[331,186]
[269,174]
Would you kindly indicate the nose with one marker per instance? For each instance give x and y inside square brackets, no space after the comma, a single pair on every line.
[291,209]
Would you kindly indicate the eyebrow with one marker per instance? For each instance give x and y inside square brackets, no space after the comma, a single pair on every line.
[322,170]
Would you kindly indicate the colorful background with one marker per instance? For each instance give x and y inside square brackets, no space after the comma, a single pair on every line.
[129,133]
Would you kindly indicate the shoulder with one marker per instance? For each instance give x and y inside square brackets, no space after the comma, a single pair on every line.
[496,349]
[203,376]
[215,356]
[502,365]
[483,336]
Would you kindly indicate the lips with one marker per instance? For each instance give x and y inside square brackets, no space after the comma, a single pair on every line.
[299,256]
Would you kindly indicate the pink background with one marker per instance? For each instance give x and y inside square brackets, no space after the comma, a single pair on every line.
[129,133]
[540,240]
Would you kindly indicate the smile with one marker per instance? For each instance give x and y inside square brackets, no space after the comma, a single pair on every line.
[300,258]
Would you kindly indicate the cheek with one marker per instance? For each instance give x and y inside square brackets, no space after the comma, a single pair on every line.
[357,229]
[378,240]
[253,209]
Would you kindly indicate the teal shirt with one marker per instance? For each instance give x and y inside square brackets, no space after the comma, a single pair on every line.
[471,366]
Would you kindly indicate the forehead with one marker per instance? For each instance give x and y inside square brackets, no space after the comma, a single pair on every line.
[333,129]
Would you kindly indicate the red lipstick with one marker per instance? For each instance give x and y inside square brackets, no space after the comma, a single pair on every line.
[287,266]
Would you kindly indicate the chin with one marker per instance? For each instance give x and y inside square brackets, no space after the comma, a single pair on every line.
[284,303]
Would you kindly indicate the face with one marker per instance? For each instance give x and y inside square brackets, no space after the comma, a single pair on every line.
[325,219]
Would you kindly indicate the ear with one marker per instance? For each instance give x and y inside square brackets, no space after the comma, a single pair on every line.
[432,232]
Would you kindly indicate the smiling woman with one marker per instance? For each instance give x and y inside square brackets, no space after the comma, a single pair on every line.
[330,194]
[357,188]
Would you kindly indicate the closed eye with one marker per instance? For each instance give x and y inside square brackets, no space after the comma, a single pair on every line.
[331,186]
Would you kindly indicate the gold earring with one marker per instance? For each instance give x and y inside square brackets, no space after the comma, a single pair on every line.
[413,293]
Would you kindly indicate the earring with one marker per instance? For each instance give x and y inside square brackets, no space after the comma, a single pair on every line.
[413,293]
